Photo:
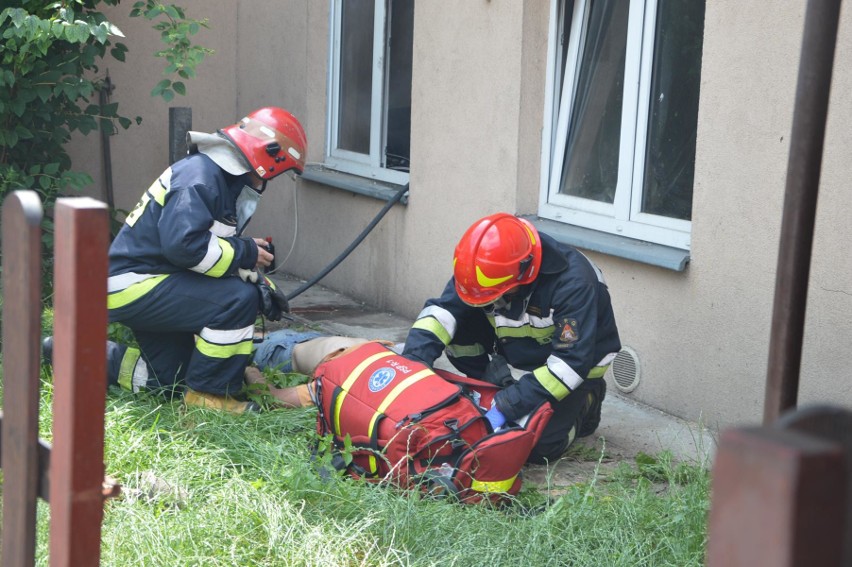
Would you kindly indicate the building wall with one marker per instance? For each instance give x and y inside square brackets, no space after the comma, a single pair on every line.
[703,335]
[477,115]
[141,153]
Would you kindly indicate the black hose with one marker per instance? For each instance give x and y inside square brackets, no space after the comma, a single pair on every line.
[394,200]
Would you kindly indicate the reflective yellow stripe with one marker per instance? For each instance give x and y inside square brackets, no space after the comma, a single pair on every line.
[138,210]
[550,383]
[158,192]
[221,267]
[485,281]
[598,371]
[128,365]
[222,351]
[459,351]
[433,326]
[400,388]
[351,379]
[541,334]
[133,292]
[493,485]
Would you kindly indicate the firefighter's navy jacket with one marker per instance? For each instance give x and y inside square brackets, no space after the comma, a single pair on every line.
[560,329]
[172,271]
[185,221]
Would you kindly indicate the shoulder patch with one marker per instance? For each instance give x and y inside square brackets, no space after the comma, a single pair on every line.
[569,335]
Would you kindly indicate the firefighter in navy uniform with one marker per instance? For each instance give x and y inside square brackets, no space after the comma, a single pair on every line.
[531,315]
[184,278]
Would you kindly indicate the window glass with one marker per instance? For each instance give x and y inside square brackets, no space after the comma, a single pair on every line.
[591,153]
[670,156]
[356,79]
[622,117]
[370,102]
[401,43]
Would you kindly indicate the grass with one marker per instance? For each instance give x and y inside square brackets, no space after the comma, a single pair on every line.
[205,488]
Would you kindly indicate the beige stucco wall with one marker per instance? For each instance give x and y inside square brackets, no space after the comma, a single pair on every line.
[703,335]
[140,153]
[477,116]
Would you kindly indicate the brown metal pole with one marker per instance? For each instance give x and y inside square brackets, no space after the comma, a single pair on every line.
[22,214]
[79,364]
[800,199]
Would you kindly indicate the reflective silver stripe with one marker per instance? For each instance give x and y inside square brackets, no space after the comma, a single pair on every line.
[526,319]
[444,317]
[140,375]
[223,230]
[597,270]
[227,337]
[563,372]
[123,281]
[214,252]
[607,359]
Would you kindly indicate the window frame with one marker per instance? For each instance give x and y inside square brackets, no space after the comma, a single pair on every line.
[624,216]
[370,166]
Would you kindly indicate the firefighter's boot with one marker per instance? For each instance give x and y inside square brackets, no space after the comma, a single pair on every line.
[193,398]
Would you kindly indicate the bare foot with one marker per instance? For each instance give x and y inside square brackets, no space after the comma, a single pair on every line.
[284,397]
[253,375]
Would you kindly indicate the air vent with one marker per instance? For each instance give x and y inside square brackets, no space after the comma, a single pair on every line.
[624,371]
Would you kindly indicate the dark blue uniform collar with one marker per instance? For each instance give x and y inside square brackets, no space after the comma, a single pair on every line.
[553,260]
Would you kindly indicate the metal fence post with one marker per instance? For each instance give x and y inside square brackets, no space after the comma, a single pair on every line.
[79,363]
[22,214]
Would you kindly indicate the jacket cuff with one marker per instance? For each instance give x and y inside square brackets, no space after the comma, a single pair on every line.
[249,258]
[515,401]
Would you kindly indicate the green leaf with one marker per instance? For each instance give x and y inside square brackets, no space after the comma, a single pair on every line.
[162,85]
[118,51]
[179,87]
[23,133]
[57,29]
[44,181]
[168,95]
[113,29]
[124,122]
[51,168]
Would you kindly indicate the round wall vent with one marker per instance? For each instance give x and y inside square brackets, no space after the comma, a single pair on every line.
[624,371]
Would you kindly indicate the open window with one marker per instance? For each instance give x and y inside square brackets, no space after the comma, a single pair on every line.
[622,110]
[370,103]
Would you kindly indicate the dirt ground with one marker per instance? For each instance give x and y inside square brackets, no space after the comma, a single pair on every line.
[588,458]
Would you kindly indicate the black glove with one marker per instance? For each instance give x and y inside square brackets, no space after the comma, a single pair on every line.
[498,372]
[273,302]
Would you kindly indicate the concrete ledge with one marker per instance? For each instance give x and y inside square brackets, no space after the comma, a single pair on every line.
[352,183]
[605,243]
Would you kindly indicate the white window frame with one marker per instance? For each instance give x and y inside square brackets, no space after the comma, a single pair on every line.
[623,216]
[363,165]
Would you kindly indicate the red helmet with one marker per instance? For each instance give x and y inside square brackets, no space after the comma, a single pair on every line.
[497,253]
[272,141]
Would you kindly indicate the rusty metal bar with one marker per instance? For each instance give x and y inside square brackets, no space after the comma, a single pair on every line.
[800,199]
[79,365]
[42,474]
[778,500]
[22,214]
[830,424]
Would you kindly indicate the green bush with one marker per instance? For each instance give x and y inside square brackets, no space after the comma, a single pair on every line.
[50,82]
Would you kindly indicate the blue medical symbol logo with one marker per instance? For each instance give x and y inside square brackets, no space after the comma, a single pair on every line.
[381,378]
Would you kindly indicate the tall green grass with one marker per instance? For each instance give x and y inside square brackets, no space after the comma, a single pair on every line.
[206,488]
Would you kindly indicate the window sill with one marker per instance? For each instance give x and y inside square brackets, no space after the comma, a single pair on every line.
[354,184]
[619,246]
